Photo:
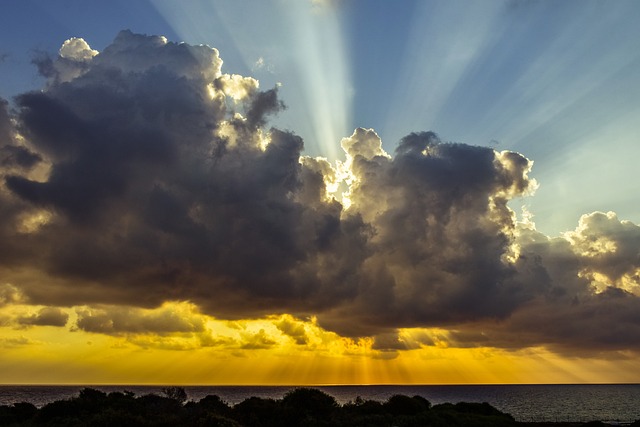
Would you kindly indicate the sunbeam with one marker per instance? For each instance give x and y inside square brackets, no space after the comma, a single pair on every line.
[445,42]
[298,44]
[321,63]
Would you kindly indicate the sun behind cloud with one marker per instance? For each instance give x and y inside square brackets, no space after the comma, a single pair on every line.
[157,230]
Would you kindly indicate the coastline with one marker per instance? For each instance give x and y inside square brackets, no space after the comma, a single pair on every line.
[297,407]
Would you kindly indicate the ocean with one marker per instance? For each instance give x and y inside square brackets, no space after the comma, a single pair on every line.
[616,403]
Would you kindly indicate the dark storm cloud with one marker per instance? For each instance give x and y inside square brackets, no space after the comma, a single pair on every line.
[93,160]
[263,104]
[47,316]
[18,156]
[587,284]
[604,322]
[259,341]
[293,329]
[440,229]
[12,155]
[45,64]
[147,190]
[5,122]
[143,174]
[116,320]
[389,342]
[9,294]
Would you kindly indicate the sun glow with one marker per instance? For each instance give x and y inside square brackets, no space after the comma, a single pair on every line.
[177,344]
[165,219]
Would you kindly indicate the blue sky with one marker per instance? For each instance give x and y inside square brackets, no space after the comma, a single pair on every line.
[556,81]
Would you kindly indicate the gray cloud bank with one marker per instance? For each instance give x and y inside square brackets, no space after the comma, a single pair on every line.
[143,174]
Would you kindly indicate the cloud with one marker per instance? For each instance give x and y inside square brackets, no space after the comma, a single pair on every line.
[47,316]
[117,320]
[12,154]
[16,342]
[608,251]
[76,49]
[21,157]
[388,342]
[262,64]
[587,291]
[257,341]
[6,127]
[9,294]
[293,329]
[439,227]
[144,174]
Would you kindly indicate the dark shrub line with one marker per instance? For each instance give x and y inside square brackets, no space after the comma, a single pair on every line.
[306,407]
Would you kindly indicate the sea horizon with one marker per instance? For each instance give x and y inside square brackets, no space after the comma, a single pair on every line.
[163,384]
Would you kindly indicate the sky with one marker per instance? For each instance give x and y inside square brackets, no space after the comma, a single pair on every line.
[319,192]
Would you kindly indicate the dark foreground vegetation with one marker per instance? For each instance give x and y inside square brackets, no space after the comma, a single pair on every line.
[300,407]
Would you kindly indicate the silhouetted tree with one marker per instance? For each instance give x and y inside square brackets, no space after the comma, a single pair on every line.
[160,410]
[300,407]
[16,414]
[209,411]
[258,412]
[214,404]
[364,413]
[91,395]
[477,408]
[361,406]
[176,393]
[308,404]
[470,415]
[405,405]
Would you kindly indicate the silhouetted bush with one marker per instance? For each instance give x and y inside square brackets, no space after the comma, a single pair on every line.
[258,412]
[210,411]
[404,405]
[470,415]
[477,408]
[90,395]
[363,413]
[307,406]
[361,406]
[61,412]
[175,393]
[17,413]
[160,410]
[214,404]
[300,407]
[212,420]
